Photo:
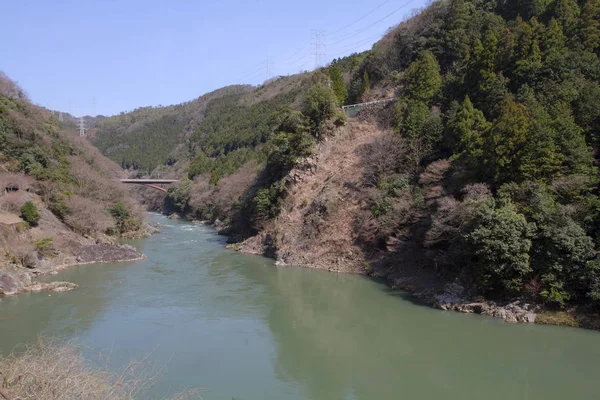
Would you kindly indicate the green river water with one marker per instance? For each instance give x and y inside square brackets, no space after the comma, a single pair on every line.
[239,327]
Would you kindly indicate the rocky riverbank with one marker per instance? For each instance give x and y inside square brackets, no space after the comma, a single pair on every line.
[453,299]
[15,279]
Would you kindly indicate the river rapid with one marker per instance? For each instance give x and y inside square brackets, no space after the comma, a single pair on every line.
[239,327]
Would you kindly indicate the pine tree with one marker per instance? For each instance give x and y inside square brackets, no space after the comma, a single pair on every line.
[337,83]
[490,46]
[524,38]
[553,38]
[366,85]
[413,119]
[590,26]
[567,12]
[423,80]
[528,68]
[504,144]
[457,40]
[541,158]
[468,128]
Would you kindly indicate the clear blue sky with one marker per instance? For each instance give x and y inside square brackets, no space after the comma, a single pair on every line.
[91,57]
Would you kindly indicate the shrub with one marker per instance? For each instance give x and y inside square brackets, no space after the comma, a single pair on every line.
[500,242]
[44,246]
[18,251]
[125,220]
[57,205]
[385,156]
[30,214]
[320,105]
[267,201]
[52,370]
[179,195]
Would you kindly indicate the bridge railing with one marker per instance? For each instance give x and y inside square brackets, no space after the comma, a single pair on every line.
[149,181]
[353,109]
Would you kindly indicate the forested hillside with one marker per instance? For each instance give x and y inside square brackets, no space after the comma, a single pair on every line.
[226,126]
[149,136]
[488,166]
[508,92]
[490,169]
[62,188]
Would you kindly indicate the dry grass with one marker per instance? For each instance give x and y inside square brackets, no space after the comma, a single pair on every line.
[12,202]
[573,318]
[52,370]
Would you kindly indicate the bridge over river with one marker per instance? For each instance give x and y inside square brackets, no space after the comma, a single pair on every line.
[153,183]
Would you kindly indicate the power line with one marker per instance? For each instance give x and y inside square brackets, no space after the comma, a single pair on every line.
[256,75]
[359,43]
[268,69]
[247,74]
[349,36]
[318,46]
[306,47]
[361,18]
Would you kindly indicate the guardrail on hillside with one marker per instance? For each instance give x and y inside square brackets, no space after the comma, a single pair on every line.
[353,109]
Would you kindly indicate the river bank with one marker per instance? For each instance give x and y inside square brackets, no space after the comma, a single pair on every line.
[235,326]
[424,287]
[15,279]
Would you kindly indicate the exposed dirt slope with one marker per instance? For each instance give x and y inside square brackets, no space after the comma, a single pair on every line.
[315,228]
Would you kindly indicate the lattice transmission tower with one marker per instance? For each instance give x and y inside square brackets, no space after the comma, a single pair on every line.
[81,127]
[318,44]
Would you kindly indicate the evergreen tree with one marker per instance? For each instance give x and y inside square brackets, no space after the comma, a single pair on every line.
[590,26]
[529,67]
[30,214]
[499,241]
[456,38]
[553,38]
[338,85]
[414,117]
[504,144]
[423,80]
[542,157]
[567,12]
[468,129]
[366,85]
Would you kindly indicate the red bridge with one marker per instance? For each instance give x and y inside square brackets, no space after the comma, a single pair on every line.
[153,183]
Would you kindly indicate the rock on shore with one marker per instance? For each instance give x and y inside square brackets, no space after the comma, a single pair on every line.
[453,298]
[106,253]
[51,287]
[15,279]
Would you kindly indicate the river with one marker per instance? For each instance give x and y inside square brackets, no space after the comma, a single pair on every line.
[239,327]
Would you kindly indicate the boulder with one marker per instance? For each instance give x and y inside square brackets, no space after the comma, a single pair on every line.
[13,280]
[51,286]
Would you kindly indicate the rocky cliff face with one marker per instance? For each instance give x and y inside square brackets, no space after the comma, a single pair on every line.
[316,226]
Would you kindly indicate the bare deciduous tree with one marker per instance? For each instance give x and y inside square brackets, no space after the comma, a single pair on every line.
[386,155]
[10,88]
[86,216]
